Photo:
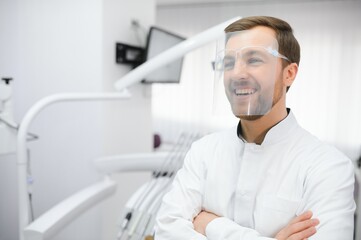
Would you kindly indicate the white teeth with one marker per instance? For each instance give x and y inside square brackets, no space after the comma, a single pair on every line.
[246,91]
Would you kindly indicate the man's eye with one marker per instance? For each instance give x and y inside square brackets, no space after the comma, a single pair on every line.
[228,64]
[254,60]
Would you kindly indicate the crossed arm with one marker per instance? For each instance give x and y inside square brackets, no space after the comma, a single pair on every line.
[330,197]
[299,228]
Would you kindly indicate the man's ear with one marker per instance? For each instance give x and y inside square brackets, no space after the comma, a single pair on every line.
[289,74]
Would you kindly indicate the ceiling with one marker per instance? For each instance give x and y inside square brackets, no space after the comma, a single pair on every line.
[176,2]
[196,2]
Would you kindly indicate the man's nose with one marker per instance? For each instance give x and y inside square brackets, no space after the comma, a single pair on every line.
[240,69]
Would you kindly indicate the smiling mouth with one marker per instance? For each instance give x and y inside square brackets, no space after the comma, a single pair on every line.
[244,91]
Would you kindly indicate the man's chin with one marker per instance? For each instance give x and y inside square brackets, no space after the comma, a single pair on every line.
[249,117]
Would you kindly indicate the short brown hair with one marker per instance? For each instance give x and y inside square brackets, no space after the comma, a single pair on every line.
[288,45]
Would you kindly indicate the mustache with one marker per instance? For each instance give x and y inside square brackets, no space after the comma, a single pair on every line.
[244,84]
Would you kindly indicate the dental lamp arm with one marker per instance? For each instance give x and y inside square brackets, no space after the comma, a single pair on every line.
[173,54]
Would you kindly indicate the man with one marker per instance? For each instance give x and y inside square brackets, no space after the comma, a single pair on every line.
[267,178]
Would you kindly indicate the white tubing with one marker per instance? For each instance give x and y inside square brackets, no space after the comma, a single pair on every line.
[172,54]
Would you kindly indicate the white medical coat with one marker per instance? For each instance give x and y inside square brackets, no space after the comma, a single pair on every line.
[258,189]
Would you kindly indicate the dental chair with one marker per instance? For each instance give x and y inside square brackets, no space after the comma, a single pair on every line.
[138,217]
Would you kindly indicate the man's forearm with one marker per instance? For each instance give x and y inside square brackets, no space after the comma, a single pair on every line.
[299,228]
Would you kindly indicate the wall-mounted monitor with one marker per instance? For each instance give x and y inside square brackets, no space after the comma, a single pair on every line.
[158,41]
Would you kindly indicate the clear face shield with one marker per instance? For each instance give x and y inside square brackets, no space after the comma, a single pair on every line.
[247,67]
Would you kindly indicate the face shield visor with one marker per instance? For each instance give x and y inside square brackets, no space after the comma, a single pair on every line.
[247,68]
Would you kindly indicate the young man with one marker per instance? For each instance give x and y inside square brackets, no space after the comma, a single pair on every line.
[267,178]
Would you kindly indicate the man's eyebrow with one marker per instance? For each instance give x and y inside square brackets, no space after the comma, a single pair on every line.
[252,52]
[229,57]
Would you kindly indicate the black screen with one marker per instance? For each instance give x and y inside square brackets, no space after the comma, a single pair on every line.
[158,41]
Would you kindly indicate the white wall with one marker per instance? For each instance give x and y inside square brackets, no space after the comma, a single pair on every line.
[135,116]
[8,211]
[69,46]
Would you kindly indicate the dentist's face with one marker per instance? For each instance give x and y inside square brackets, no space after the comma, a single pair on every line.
[252,76]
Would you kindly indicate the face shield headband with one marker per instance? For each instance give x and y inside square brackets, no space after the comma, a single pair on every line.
[247,68]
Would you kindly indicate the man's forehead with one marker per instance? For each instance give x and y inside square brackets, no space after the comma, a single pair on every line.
[252,37]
